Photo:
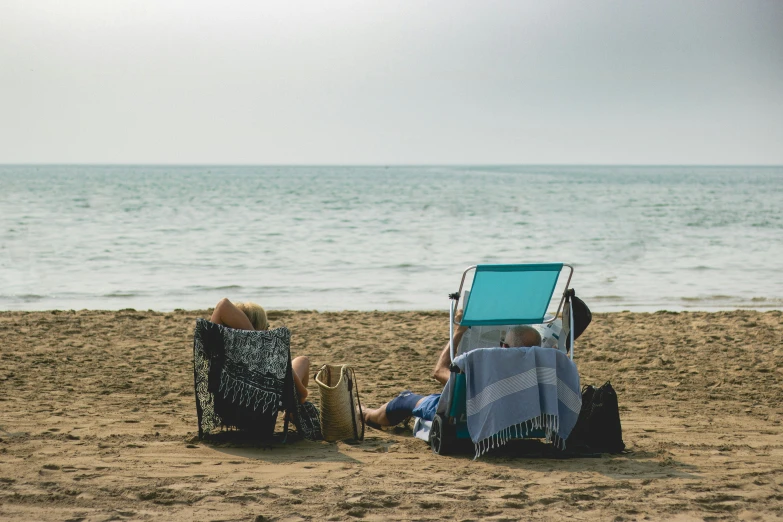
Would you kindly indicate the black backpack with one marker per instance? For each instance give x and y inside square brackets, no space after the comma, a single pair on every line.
[598,427]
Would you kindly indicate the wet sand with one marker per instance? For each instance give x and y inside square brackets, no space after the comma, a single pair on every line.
[98,422]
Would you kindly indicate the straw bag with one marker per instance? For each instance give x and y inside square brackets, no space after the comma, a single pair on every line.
[339,419]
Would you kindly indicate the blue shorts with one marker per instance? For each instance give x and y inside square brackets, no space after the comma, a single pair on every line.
[426,409]
[404,405]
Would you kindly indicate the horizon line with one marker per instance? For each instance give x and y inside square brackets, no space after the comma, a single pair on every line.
[172,164]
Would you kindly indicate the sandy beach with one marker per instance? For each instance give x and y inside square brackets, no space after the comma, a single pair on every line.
[98,422]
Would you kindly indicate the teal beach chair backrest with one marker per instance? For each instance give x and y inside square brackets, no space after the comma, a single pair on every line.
[510,294]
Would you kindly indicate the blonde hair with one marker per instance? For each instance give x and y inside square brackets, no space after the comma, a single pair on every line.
[255,313]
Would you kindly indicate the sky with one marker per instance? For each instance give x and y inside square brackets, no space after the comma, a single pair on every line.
[392,82]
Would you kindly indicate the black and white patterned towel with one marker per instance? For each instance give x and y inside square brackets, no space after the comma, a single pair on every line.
[242,378]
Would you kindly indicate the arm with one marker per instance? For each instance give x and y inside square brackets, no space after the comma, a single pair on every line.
[227,314]
[441,371]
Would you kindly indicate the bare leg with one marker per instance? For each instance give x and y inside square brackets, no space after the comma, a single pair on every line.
[301,367]
[378,416]
[227,314]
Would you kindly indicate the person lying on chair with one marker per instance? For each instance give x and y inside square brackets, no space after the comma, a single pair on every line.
[409,404]
[250,316]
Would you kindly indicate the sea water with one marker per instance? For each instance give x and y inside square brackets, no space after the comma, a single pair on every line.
[385,238]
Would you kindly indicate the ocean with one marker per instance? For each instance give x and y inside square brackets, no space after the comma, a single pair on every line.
[385,238]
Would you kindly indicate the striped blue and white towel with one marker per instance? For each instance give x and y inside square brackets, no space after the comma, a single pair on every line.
[513,391]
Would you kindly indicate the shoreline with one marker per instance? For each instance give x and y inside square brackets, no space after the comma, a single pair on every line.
[775,305]
[99,421]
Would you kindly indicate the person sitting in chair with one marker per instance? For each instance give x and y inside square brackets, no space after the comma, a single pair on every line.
[408,404]
[250,316]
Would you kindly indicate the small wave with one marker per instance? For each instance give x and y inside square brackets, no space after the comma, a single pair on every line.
[338,290]
[732,301]
[766,302]
[406,267]
[24,297]
[608,298]
[712,298]
[121,294]
[202,288]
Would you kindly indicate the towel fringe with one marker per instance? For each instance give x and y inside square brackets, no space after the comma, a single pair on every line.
[547,422]
[247,394]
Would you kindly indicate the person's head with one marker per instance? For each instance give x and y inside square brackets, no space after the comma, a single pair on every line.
[519,336]
[255,313]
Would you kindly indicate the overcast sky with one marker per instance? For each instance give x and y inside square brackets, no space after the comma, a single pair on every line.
[391,82]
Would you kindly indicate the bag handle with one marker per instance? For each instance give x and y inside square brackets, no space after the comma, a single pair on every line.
[353,383]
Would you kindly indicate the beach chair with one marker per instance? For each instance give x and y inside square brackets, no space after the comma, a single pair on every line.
[498,394]
[243,379]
